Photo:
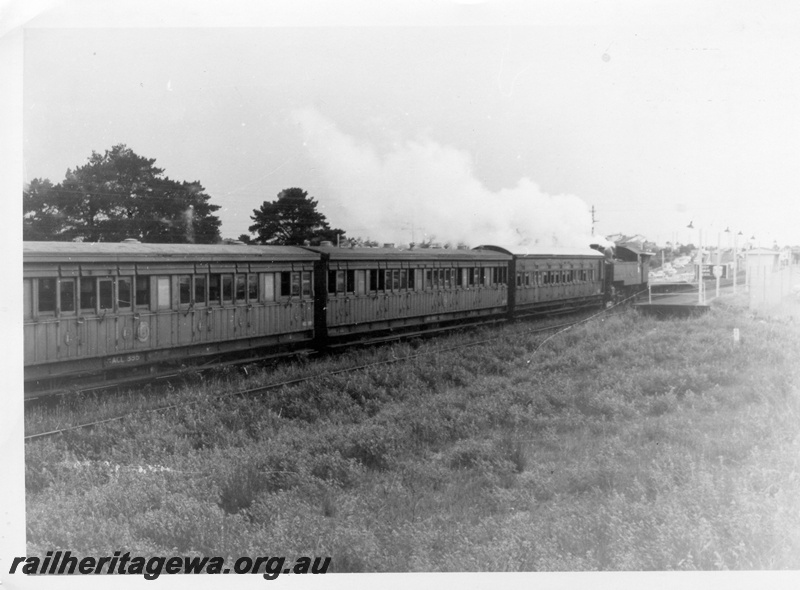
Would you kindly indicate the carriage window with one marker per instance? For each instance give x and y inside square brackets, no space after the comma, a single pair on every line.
[381,280]
[214,288]
[164,293]
[428,281]
[241,288]
[396,280]
[296,284]
[227,288]
[88,294]
[340,281]
[373,280]
[361,282]
[411,279]
[331,281]
[142,291]
[27,294]
[200,290]
[436,278]
[306,284]
[252,287]
[185,289]
[269,286]
[67,295]
[106,293]
[286,284]
[351,281]
[47,295]
[124,299]
[404,279]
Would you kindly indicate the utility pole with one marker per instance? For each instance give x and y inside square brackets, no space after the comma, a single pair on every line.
[593,220]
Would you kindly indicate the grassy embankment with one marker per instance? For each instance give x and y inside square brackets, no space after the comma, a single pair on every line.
[628,444]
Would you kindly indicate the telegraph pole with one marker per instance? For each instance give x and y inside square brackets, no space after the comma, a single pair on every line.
[593,220]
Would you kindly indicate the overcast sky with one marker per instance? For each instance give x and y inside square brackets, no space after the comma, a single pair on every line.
[477,122]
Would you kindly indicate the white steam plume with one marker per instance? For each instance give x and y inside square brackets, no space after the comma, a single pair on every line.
[430,189]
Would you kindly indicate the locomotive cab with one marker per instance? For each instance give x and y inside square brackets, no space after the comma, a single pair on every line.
[627,271]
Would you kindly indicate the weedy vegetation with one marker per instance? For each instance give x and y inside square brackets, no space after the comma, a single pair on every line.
[624,443]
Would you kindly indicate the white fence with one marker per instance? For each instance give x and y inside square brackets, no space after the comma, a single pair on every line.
[770,287]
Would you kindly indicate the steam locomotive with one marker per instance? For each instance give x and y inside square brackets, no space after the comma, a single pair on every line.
[118,311]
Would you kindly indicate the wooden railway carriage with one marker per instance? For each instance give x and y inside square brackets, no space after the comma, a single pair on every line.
[91,308]
[381,289]
[553,279]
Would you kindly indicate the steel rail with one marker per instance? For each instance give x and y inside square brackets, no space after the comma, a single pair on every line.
[563,327]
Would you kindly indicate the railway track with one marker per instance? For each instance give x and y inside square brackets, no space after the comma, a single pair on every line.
[180,373]
[262,389]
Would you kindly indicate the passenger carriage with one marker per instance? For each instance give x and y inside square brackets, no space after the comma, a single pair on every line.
[96,311]
[91,308]
[387,289]
[553,279]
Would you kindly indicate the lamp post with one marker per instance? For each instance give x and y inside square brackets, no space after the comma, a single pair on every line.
[735,255]
[735,259]
[700,284]
[747,267]
[718,266]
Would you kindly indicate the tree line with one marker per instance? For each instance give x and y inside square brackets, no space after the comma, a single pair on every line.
[120,195]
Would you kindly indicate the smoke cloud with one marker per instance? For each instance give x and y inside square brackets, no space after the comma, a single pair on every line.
[428,190]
